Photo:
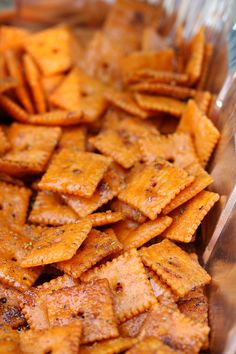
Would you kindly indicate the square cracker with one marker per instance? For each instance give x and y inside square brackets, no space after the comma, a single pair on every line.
[174,266]
[57,244]
[129,284]
[57,340]
[96,246]
[75,172]
[73,138]
[105,218]
[174,329]
[10,310]
[108,346]
[151,345]
[50,209]
[204,133]
[86,302]
[31,148]
[154,186]
[127,210]
[189,216]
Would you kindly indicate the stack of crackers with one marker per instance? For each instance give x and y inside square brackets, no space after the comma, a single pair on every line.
[104,143]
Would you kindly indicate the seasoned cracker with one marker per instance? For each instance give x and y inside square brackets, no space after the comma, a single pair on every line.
[202,180]
[4,143]
[31,148]
[10,311]
[189,216]
[178,92]
[105,218]
[157,76]
[13,109]
[75,172]
[174,329]
[9,341]
[108,346]
[174,266]
[73,138]
[85,302]
[124,227]
[118,146]
[152,188]
[14,68]
[110,185]
[163,292]
[151,345]
[55,118]
[208,52]
[14,203]
[129,284]
[128,211]
[177,148]
[12,37]
[132,327]
[203,100]
[145,232]
[50,209]
[204,133]
[57,244]
[97,246]
[56,340]
[33,77]
[7,83]
[160,104]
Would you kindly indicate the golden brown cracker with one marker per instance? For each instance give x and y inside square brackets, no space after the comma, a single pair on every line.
[75,172]
[151,345]
[7,83]
[174,266]
[50,83]
[127,210]
[132,327]
[55,118]
[105,218]
[152,188]
[9,340]
[96,246]
[108,346]
[208,52]
[157,76]
[73,138]
[129,284]
[4,143]
[10,311]
[12,37]
[163,292]
[13,109]
[203,100]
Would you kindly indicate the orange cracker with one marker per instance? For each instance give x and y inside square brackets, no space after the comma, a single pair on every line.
[33,77]
[151,40]
[128,211]
[67,94]
[174,266]
[57,244]
[152,188]
[203,100]
[105,218]
[126,102]
[14,67]
[132,327]
[110,185]
[12,37]
[145,232]
[124,227]
[196,55]
[51,49]
[160,104]
[164,90]
[31,148]
[108,346]
[189,216]
[56,117]
[13,109]
[135,128]
[73,138]
[86,302]
[50,83]
[10,311]
[7,83]
[34,302]
[4,144]
[97,246]
[14,202]
[208,52]
[9,340]
[174,329]
[129,284]
[151,345]
[118,146]
[157,76]
[204,133]
[202,180]
[155,60]
[56,340]
[50,209]
[177,148]
[75,172]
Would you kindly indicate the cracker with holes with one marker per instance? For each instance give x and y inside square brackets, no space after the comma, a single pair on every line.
[50,209]
[57,244]
[132,327]
[73,138]
[118,145]
[110,185]
[202,180]
[13,64]
[31,148]
[105,218]
[177,148]
[32,74]
[129,284]
[160,104]
[59,339]
[10,310]
[204,133]
[75,172]
[151,345]
[13,109]
[189,216]
[174,329]
[145,232]
[96,246]
[85,302]
[34,302]
[152,188]
[174,266]
[108,346]
[128,211]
